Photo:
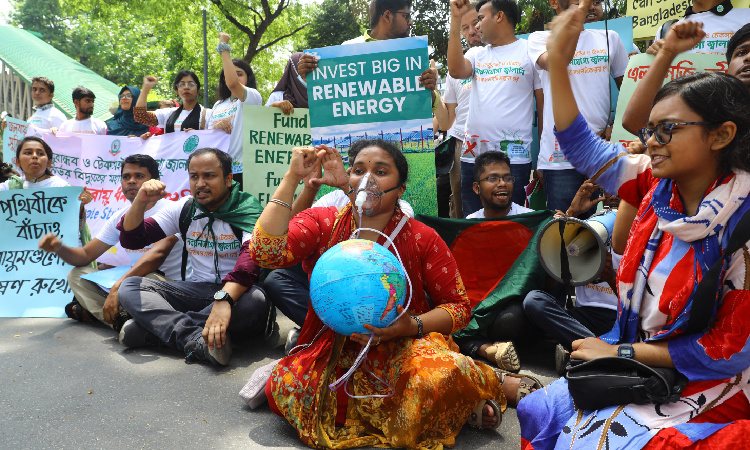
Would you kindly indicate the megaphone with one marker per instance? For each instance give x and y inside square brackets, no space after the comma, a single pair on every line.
[585,244]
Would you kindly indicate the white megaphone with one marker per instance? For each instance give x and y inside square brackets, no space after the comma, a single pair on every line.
[586,245]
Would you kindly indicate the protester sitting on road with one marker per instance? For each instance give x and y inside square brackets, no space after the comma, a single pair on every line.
[692,189]
[191,115]
[291,90]
[34,158]
[216,223]
[436,388]
[236,88]
[493,184]
[95,301]
[595,308]
[123,123]
[83,123]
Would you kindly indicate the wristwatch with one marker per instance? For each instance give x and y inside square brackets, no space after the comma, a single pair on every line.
[221,296]
[625,351]
[420,329]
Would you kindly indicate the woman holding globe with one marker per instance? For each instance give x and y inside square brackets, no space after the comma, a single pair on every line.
[435,389]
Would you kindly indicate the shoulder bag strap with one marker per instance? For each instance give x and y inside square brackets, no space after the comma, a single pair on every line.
[184,225]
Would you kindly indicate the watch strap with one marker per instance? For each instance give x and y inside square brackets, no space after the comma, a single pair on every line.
[420,326]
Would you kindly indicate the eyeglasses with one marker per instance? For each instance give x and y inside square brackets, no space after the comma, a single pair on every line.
[189,84]
[663,132]
[125,96]
[494,179]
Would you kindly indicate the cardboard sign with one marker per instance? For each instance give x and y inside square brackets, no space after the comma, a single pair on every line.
[648,15]
[15,130]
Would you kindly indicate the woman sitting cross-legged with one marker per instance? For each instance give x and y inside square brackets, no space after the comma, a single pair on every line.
[436,388]
[692,187]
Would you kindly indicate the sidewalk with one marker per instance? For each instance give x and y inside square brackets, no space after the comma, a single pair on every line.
[73,386]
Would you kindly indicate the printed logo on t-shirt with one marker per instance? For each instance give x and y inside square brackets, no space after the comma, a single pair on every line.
[190,144]
[512,145]
[557,155]
[224,242]
[493,71]
[114,149]
[589,61]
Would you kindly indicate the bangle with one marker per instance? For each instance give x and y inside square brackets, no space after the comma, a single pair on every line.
[223,46]
[279,202]
[420,329]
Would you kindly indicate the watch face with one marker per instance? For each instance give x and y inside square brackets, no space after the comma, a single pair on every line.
[219,295]
[626,352]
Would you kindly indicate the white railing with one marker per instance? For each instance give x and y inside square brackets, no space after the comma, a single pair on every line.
[15,94]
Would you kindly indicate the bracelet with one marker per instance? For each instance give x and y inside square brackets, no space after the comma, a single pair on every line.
[223,46]
[282,203]
[420,325]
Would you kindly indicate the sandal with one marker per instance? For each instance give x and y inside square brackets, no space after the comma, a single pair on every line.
[505,356]
[75,311]
[475,419]
[527,384]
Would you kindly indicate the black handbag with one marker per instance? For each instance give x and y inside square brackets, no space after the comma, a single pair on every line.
[611,381]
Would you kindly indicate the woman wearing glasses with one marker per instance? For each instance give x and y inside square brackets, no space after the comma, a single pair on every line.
[190,116]
[123,123]
[692,189]
[236,88]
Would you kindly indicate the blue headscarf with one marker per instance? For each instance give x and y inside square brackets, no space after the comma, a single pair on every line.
[123,123]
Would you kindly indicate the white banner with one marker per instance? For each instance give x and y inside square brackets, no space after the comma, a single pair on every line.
[94,161]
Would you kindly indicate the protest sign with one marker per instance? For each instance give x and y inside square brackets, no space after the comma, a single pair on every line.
[14,132]
[683,64]
[94,161]
[267,147]
[371,90]
[32,280]
[648,15]
[107,278]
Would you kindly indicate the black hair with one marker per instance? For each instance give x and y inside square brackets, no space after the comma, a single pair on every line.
[379,7]
[402,165]
[46,81]
[487,158]
[509,7]
[224,159]
[739,37]
[144,161]
[47,149]
[185,73]
[224,92]
[81,92]
[718,98]
[6,171]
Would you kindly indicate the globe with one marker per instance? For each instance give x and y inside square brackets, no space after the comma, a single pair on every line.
[354,283]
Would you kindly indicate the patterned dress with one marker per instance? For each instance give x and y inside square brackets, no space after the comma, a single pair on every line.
[436,388]
[666,256]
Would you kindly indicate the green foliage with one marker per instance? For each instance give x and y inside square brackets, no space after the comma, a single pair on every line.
[431,19]
[333,23]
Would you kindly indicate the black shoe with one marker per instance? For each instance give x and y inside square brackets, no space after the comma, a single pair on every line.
[198,351]
[562,357]
[133,335]
[291,340]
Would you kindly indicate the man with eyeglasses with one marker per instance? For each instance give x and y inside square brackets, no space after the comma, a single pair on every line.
[83,123]
[493,183]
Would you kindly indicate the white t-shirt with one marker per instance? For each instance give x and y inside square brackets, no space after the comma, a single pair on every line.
[501,110]
[199,245]
[719,29]
[110,235]
[514,209]
[45,119]
[589,78]
[276,96]
[599,295]
[458,92]
[51,182]
[356,40]
[162,115]
[338,199]
[233,109]
[91,125]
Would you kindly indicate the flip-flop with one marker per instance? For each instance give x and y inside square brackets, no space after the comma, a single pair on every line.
[475,419]
[527,384]
[505,356]
[75,311]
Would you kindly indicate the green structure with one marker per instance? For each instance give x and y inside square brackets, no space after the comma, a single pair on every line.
[24,56]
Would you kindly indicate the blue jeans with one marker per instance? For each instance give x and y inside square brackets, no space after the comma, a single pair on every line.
[176,311]
[560,186]
[470,201]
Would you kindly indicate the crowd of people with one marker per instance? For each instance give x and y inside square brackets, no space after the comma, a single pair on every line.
[216,264]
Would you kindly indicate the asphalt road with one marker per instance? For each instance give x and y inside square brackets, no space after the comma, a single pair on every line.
[68,385]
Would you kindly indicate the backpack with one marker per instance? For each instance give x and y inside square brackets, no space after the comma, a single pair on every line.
[185,224]
[665,28]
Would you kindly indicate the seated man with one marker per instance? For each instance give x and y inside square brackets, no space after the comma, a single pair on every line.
[595,310]
[95,301]
[493,183]
[216,223]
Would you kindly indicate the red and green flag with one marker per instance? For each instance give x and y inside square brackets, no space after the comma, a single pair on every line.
[497,259]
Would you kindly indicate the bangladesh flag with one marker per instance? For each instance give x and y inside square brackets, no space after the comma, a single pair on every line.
[497,260]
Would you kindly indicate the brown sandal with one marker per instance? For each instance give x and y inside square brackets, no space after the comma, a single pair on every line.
[505,356]
[475,419]
[526,385]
